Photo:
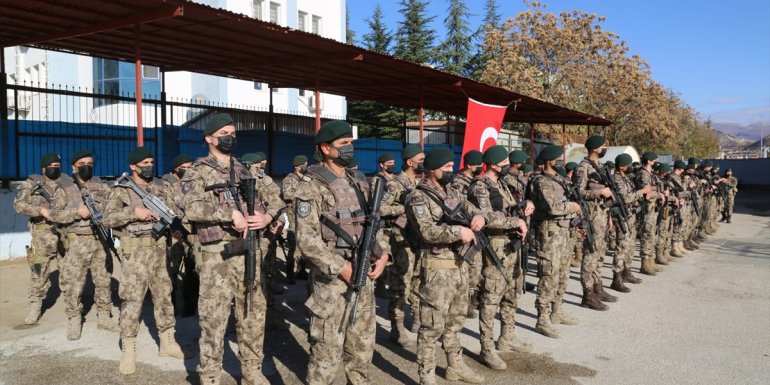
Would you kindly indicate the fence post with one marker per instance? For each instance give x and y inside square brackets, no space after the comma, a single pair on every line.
[4,111]
[270,129]
[16,129]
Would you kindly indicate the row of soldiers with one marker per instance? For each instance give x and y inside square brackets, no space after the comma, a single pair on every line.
[451,243]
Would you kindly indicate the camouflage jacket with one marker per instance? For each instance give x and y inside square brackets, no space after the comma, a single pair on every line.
[461,183]
[119,212]
[69,199]
[396,191]
[494,198]
[550,199]
[29,198]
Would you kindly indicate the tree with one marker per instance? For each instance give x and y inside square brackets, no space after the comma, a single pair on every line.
[414,38]
[350,35]
[453,54]
[480,57]
[379,37]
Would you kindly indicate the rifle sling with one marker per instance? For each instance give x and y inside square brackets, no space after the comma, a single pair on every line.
[337,230]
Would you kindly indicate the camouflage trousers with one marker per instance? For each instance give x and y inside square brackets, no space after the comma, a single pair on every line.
[626,246]
[84,252]
[43,249]
[553,262]
[729,203]
[647,237]
[475,274]
[400,277]
[497,293]
[590,267]
[221,283]
[144,268]
[665,234]
[681,231]
[575,247]
[443,308]
[332,345]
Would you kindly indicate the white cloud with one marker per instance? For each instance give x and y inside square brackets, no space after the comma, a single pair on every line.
[743,116]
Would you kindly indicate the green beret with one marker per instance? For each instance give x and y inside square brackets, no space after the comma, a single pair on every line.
[299,160]
[251,158]
[217,122]
[707,163]
[680,164]
[518,156]
[664,167]
[386,157]
[180,160]
[538,160]
[623,160]
[526,168]
[410,151]
[649,155]
[552,152]
[80,154]
[561,171]
[609,164]
[49,158]
[139,154]
[495,154]
[473,158]
[438,157]
[690,166]
[333,130]
[636,164]
[693,160]
[570,166]
[260,156]
[594,142]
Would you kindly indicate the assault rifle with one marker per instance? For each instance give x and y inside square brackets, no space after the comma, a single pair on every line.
[248,187]
[167,219]
[40,189]
[619,209]
[96,222]
[584,220]
[363,250]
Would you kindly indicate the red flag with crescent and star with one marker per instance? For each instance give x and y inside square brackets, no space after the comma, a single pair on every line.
[482,126]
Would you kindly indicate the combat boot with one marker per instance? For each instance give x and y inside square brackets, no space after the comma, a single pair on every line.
[575,262]
[543,325]
[648,266]
[558,316]
[169,347]
[104,321]
[398,332]
[128,358]
[729,219]
[617,283]
[427,376]
[252,373]
[603,295]
[457,370]
[490,357]
[507,342]
[660,259]
[628,277]
[74,325]
[591,301]
[676,250]
[33,315]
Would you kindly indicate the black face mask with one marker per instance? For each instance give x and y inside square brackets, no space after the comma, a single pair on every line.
[52,172]
[346,154]
[85,172]
[226,144]
[180,172]
[505,170]
[303,170]
[603,153]
[447,177]
[478,170]
[390,169]
[420,168]
[145,172]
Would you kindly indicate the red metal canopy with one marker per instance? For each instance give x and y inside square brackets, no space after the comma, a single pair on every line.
[178,35]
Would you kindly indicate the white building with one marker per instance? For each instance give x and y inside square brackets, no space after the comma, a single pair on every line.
[40,68]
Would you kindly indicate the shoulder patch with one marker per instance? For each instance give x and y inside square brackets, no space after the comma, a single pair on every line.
[420,211]
[303,209]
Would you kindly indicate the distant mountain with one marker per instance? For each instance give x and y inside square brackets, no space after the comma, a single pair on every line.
[752,132]
[729,142]
[755,146]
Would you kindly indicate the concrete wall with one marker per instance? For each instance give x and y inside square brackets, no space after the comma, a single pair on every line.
[751,173]
[14,235]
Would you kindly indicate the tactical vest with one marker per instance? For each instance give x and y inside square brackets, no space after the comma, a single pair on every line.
[75,200]
[347,212]
[37,197]
[143,228]
[499,199]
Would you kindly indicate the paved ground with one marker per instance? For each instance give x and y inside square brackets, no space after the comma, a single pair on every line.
[705,320]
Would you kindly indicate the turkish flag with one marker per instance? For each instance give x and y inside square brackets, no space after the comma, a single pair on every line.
[482,126]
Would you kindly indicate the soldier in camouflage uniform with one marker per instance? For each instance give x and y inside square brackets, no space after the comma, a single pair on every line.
[472,168]
[575,238]
[387,171]
[506,229]
[621,264]
[85,250]
[551,222]
[680,190]
[31,200]
[289,187]
[666,214]
[329,210]
[144,259]
[402,243]
[648,220]
[213,204]
[444,283]
[732,189]
[589,185]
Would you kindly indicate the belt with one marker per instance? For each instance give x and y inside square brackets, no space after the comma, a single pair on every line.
[442,263]
[147,241]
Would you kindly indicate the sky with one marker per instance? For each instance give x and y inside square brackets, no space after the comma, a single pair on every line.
[715,54]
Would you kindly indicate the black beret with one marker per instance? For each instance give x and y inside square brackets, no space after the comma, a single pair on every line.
[299,160]
[385,157]
[526,168]
[438,157]
[609,164]
[623,160]
[680,164]
[251,158]
[551,152]
[216,122]
[594,142]
[656,166]
[649,155]
[80,154]
[570,166]
[139,154]
[495,154]
[473,158]
[49,158]
[518,156]
[410,151]
[180,160]
[333,130]
[664,167]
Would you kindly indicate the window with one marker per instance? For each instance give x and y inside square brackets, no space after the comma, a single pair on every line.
[150,72]
[302,21]
[317,25]
[256,9]
[257,85]
[301,92]
[275,10]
